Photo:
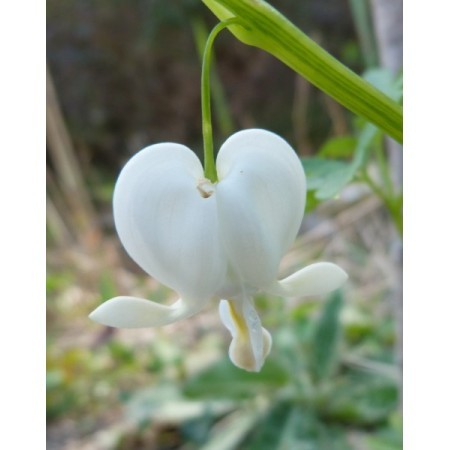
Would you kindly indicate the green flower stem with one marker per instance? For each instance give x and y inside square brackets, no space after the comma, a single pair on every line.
[384,170]
[208,145]
[264,27]
[219,108]
[363,23]
[394,204]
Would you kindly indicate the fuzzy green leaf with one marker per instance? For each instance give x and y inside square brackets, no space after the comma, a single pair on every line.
[326,338]
[223,380]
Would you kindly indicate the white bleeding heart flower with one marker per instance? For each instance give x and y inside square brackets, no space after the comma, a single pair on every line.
[214,241]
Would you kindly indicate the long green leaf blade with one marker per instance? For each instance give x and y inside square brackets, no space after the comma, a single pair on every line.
[264,27]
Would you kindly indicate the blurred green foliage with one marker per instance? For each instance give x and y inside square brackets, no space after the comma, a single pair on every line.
[318,389]
[306,396]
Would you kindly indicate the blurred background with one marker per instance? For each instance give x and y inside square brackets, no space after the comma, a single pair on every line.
[126,74]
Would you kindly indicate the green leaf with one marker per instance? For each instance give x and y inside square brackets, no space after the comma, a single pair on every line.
[288,426]
[384,80]
[270,430]
[338,147]
[389,437]
[366,139]
[328,177]
[263,26]
[362,19]
[385,442]
[231,433]
[362,400]
[224,380]
[311,201]
[166,403]
[326,338]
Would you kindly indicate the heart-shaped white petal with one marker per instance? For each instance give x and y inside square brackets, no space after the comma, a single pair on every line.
[260,202]
[316,279]
[165,223]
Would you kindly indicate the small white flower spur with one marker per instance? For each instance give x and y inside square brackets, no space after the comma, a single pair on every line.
[215,241]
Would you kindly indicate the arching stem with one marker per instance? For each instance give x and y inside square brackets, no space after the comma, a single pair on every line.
[208,147]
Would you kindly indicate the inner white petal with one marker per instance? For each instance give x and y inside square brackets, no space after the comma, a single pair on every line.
[251,343]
